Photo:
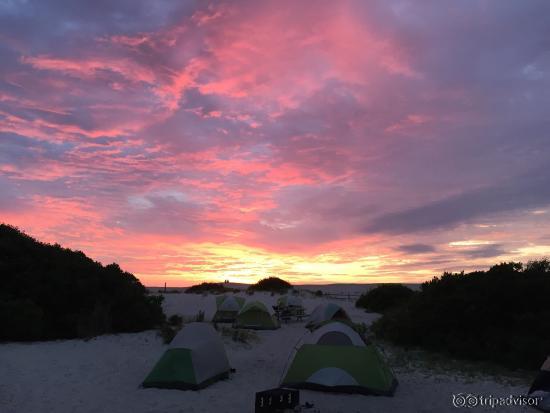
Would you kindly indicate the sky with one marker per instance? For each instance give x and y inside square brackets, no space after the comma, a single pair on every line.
[352,141]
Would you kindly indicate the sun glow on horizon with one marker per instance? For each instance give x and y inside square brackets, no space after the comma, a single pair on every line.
[242,264]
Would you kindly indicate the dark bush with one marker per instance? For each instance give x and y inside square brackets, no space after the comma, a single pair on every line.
[384,297]
[271,284]
[21,319]
[167,333]
[199,318]
[50,292]
[175,320]
[499,315]
[239,335]
[213,288]
[318,293]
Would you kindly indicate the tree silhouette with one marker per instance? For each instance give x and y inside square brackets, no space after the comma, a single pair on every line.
[50,292]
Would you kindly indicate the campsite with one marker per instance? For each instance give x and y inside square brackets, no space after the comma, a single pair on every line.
[105,373]
[233,347]
[274,206]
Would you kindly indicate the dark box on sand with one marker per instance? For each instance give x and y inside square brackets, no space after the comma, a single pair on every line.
[276,400]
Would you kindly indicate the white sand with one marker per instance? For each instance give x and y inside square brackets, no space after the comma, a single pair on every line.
[104,374]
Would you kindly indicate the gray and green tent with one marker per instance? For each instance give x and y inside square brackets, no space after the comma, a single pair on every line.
[195,359]
[326,312]
[256,315]
[336,358]
[227,308]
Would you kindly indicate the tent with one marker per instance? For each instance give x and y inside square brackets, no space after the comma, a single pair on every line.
[257,316]
[338,359]
[227,308]
[541,387]
[336,333]
[194,359]
[289,301]
[326,312]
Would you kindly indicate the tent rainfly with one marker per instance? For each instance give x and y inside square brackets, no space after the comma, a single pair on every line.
[227,308]
[195,359]
[541,387]
[326,312]
[257,316]
[336,333]
[335,358]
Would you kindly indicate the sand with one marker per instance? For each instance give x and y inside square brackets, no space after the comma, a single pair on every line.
[104,374]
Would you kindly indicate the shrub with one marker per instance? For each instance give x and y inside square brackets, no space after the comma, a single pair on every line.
[175,323]
[21,319]
[499,315]
[95,323]
[361,328]
[239,335]
[50,292]
[271,284]
[384,297]
[167,333]
[318,293]
[175,320]
[200,316]
[214,288]
[244,336]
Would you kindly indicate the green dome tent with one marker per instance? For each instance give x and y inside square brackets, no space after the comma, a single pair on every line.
[337,332]
[326,312]
[255,315]
[195,359]
[336,358]
[227,308]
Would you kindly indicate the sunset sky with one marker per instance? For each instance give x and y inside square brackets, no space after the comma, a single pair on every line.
[320,141]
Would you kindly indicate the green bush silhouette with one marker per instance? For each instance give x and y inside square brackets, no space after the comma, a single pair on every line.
[271,284]
[384,297]
[214,288]
[49,292]
[500,315]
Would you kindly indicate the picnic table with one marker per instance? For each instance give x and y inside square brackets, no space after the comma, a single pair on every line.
[300,313]
[286,314]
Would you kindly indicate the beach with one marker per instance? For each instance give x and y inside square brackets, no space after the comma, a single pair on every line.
[104,374]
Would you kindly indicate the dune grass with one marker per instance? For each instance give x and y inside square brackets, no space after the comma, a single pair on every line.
[417,360]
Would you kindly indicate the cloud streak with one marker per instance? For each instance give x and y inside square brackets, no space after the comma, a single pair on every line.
[524,192]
